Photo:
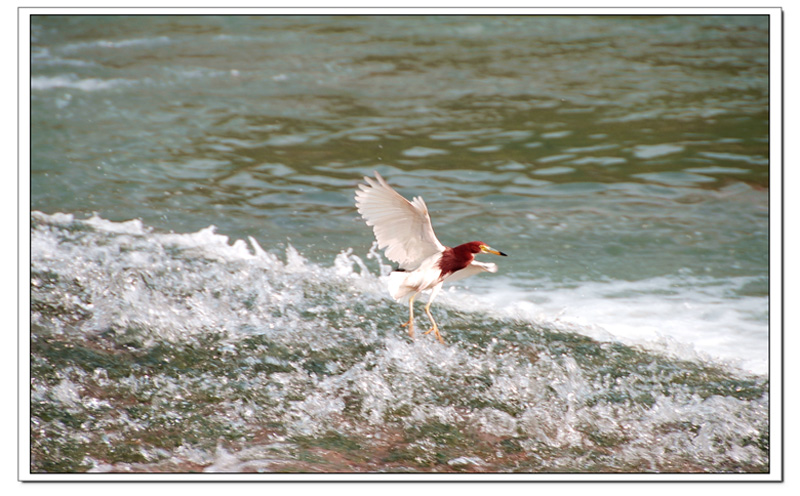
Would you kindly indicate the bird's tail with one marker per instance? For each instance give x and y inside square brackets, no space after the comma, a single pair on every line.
[397,285]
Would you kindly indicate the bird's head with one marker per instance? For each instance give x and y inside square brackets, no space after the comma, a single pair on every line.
[455,259]
[481,247]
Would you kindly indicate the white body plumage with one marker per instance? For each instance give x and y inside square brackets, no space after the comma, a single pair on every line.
[428,275]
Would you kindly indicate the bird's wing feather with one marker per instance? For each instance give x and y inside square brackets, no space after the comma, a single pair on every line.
[473,268]
[402,227]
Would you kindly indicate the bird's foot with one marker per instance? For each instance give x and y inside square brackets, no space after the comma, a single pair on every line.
[410,325]
[435,331]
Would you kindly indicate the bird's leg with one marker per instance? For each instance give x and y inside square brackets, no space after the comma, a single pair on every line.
[410,322]
[435,328]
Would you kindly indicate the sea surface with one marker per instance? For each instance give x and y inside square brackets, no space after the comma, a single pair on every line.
[205,297]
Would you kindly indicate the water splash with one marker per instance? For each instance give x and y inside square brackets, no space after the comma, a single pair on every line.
[177,352]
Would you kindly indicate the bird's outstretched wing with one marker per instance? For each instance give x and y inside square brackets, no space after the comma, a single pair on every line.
[473,268]
[402,227]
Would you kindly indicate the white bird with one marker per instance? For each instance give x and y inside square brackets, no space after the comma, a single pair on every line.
[404,229]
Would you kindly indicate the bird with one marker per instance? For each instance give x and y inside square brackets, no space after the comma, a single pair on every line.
[404,231]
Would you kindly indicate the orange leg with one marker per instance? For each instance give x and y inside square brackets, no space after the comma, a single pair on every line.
[410,322]
[435,328]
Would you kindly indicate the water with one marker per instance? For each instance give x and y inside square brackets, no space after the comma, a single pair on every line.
[205,297]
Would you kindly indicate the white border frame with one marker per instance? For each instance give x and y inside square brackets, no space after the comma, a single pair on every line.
[776,255]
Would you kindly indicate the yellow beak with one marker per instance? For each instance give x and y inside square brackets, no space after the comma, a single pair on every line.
[488,249]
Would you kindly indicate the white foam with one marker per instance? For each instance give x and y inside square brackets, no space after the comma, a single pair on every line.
[134,226]
[687,316]
[692,318]
[70,81]
[114,44]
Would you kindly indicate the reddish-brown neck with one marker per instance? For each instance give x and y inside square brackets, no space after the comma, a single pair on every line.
[455,259]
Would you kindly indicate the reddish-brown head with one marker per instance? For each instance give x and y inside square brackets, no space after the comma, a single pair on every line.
[455,259]
[471,247]
[480,247]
